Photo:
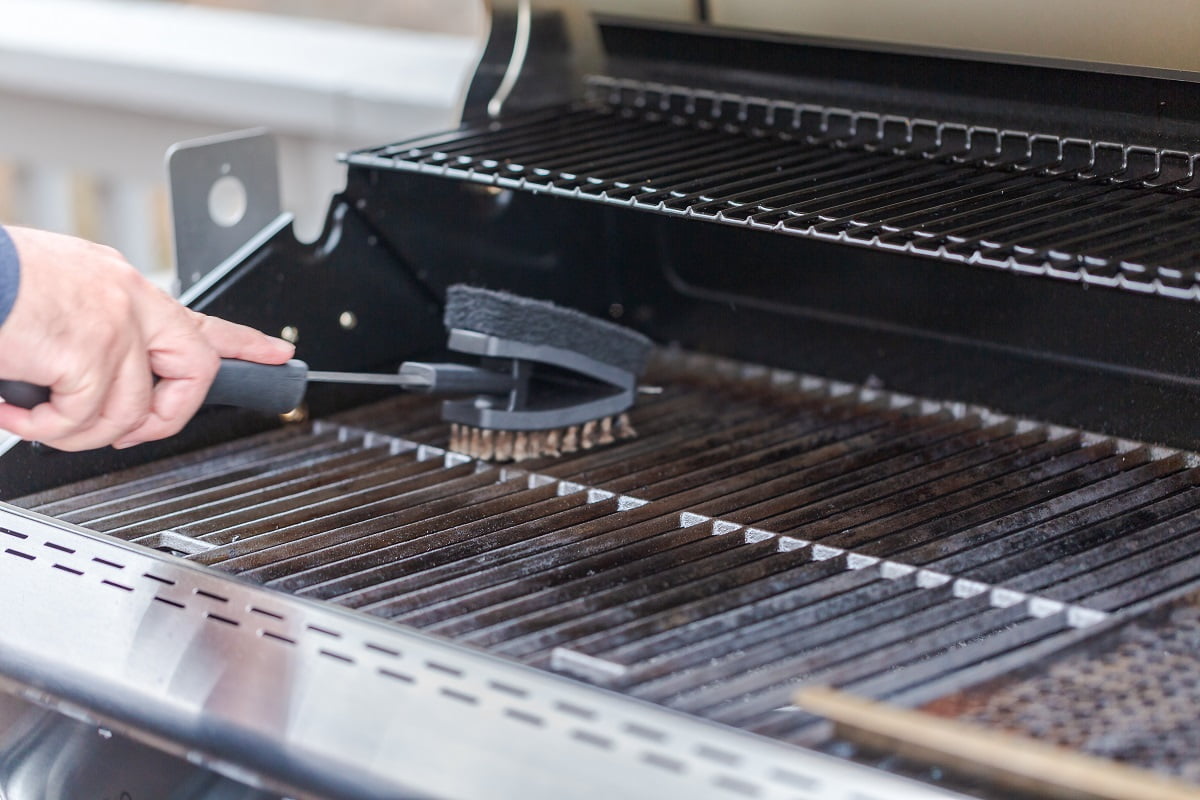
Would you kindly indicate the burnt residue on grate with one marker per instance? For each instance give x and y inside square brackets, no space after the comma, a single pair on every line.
[764,530]
[1131,696]
[1117,215]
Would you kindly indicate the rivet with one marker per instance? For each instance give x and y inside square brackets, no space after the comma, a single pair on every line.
[348,320]
[290,334]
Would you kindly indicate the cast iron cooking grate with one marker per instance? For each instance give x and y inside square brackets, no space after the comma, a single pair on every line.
[1130,695]
[765,530]
[1112,214]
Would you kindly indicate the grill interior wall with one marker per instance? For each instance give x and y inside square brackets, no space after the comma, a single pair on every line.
[765,530]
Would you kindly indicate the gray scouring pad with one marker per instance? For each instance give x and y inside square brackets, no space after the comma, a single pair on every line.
[538,322]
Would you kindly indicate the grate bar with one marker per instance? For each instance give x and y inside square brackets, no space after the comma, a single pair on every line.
[998,202]
[887,205]
[592,564]
[791,724]
[706,561]
[466,549]
[621,605]
[1149,504]
[396,534]
[709,201]
[788,655]
[977,504]
[103,495]
[910,491]
[853,600]
[789,196]
[924,635]
[1038,498]
[388,596]
[800,582]
[702,179]
[1138,470]
[486,147]
[992,228]
[446,489]
[278,477]
[844,492]
[291,548]
[842,440]
[251,509]
[867,192]
[652,491]
[1118,586]
[1154,579]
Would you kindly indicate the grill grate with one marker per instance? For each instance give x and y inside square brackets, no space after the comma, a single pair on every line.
[765,530]
[1116,215]
[1131,697]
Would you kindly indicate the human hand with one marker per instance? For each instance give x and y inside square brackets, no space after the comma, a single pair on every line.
[87,325]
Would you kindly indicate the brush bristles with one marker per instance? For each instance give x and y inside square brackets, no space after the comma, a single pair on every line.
[489,445]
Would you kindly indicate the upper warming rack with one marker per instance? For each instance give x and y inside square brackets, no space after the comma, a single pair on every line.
[1113,214]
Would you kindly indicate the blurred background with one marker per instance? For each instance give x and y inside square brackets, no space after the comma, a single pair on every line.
[93,92]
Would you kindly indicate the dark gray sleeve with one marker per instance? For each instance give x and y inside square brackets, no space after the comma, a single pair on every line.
[10,274]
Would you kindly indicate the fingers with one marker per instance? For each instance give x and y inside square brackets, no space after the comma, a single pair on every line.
[86,324]
[231,340]
[94,410]
[185,372]
[125,408]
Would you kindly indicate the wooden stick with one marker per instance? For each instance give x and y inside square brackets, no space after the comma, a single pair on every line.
[1004,759]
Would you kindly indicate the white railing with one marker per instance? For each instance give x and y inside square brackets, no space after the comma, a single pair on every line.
[93,92]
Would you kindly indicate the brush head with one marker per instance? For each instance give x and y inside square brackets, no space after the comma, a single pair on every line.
[538,322]
[579,376]
[493,445]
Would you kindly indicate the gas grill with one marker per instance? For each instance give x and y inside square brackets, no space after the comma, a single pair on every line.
[920,432]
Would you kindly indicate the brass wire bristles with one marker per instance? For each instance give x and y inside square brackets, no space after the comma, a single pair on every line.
[489,445]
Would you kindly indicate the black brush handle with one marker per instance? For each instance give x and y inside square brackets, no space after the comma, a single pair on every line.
[22,394]
[270,388]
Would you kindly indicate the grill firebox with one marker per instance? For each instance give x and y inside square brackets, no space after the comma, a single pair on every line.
[766,530]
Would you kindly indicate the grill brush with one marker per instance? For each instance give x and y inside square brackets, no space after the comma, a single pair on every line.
[551,380]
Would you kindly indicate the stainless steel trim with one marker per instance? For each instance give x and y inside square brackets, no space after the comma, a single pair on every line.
[240,163]
[280,691]
[238,257]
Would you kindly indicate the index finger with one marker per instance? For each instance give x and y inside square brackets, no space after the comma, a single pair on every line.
[231,340]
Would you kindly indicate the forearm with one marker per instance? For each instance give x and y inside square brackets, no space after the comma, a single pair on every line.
[10,274]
